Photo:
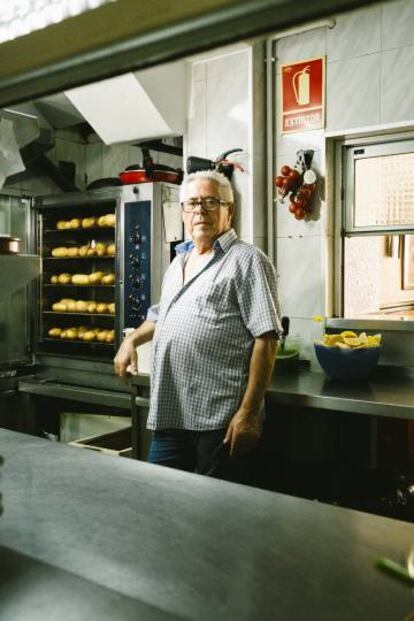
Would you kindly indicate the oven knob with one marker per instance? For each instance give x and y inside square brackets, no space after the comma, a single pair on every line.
[134,260]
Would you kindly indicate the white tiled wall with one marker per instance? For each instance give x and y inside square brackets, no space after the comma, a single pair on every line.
[220,117]
[370,59]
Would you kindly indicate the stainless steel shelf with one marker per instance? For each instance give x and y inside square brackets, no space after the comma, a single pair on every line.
[69,284]
[57,339]
[75,313]
[105,256]
[106,229]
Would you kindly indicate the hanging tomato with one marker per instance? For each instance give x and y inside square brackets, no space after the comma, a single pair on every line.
[298,184]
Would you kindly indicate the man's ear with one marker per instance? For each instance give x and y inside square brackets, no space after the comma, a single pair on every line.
[231,212]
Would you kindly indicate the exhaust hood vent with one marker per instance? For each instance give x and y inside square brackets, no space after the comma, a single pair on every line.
[135,106]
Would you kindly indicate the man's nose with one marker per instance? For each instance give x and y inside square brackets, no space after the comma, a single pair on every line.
[199,207]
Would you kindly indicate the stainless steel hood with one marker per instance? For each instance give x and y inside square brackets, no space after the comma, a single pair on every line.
[135,106]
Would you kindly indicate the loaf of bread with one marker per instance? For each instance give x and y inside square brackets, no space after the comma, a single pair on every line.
[54,332]
[54,279]
[88,223]
[91,252]
[59,252]
[110,337]
[71,333]
[100,249]
[83,250]
[95,278]
[75,223]
[102,307]
[72,252]
[80,279]
[64,279]
[61,224]
[81,306]
[101,336]
[59,307]
[108,279]
[110,219]
[67,301]
[89,335]
[91,307]
[111,308]
[110,249]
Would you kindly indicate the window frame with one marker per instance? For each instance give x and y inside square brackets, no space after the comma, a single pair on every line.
[343,189]
[354,153]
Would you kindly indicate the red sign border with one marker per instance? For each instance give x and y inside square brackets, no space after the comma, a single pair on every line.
[299,62]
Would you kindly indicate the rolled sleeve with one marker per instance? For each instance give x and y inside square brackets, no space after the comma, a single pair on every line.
[258,298]
[153,313]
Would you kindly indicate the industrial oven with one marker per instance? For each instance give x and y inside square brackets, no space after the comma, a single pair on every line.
[103,253]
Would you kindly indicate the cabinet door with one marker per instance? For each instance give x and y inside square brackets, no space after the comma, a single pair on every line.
[15,335]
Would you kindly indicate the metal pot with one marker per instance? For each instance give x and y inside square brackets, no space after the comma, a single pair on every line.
[9,245]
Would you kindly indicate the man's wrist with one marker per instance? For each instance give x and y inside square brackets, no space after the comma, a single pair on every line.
[249,411]
[132,340]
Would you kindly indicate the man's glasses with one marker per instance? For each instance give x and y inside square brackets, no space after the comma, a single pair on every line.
[209,204]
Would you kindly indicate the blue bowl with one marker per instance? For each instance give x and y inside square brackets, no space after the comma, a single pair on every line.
[347,364]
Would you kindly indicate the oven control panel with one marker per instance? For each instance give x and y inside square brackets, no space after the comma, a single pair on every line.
[137,262]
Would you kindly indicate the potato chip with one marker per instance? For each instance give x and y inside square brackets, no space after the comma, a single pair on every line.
[350,340]
[349,333]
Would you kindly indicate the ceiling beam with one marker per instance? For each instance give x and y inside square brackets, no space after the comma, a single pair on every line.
[128,35]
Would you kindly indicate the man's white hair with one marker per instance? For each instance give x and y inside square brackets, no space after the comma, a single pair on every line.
[222,183]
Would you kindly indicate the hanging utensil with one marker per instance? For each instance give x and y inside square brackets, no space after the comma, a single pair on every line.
[285,325]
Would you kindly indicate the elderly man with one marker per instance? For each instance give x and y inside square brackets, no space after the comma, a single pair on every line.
[215,335]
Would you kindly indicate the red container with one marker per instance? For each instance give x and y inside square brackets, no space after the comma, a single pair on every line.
[158,173]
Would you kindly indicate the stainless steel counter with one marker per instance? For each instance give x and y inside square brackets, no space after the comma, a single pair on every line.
[184,545]
[47,593]
[384,395]
[393,397]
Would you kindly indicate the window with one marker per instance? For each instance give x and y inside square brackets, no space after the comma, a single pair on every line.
[378,222]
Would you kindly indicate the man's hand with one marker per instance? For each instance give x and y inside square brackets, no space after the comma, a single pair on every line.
[243,433]
[125,361]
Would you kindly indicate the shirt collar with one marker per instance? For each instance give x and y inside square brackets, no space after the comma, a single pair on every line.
[223,242]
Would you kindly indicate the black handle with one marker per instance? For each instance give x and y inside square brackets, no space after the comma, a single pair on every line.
[195,163]
[285,325]
[226,153]
[147,163]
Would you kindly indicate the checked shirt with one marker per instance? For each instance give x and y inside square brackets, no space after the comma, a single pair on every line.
[205,330]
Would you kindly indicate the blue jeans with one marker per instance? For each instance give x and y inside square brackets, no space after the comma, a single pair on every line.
[202,452]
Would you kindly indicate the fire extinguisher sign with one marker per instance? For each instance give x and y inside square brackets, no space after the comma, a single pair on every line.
[303,95]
